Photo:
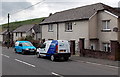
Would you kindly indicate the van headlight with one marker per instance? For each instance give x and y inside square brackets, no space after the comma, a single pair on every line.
[26,49]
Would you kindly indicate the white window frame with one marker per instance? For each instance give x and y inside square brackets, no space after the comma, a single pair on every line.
[107,25]
[50,28]
[21,34]
[94,47]
[68,26]
[16,34]
[106,46]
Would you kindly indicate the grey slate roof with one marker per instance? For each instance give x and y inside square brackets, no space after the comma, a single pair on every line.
[36,28]
[84,12]
[24,28]
[118,9]
[3,32]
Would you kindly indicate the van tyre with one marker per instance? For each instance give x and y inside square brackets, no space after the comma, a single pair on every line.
[52,58]
[15,51]
[38,55]
[23,52]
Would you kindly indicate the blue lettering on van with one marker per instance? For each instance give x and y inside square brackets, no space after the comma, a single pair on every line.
[52,48]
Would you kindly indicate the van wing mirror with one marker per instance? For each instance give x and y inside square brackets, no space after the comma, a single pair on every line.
[42,46]
[20,45]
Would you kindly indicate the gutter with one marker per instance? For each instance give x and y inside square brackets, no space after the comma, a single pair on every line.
[54,22]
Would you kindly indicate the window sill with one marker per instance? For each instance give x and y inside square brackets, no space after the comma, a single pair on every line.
[106,30]
[50,30]
[68,30]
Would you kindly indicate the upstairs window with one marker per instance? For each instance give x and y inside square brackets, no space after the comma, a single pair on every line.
[68,26]
[50,27]
[106,25]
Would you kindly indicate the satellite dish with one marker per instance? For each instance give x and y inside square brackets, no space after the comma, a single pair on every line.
[115,29]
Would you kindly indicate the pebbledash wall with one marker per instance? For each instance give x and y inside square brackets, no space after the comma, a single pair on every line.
[91,30]
[107,36]
[88,29]
[80,30]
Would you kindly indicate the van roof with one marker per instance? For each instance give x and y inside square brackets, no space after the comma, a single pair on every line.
[23,41]
[55,40]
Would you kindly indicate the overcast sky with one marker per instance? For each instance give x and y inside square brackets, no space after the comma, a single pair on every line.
[43,9]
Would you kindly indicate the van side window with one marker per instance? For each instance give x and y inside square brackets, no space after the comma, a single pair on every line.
[17,44]
[20,44]
[43,45]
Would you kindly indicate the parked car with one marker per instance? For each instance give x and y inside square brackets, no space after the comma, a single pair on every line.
[24,47]
[55,49]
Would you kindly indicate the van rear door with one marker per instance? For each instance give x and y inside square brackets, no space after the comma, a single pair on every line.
[63,47]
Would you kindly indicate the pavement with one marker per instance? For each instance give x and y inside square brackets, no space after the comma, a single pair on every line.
[95,60]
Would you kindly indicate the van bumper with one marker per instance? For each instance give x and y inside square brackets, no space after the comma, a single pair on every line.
[29,51]
[59,55]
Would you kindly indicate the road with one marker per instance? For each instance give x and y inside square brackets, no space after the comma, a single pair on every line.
[18,64]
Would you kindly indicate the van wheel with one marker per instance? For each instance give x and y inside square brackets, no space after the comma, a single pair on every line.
[52,58]
[23,52]
[15,51]
[38,55]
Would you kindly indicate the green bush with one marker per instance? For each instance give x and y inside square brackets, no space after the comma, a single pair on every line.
[29,38]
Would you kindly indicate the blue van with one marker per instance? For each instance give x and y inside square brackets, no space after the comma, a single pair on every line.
[24,47]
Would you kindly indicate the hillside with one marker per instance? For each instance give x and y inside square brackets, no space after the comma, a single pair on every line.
[14,25]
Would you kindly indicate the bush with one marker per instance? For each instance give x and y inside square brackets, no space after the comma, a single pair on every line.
[21,39]
[29,38]
[25,38]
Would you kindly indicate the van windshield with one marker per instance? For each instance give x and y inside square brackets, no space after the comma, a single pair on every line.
[27,44]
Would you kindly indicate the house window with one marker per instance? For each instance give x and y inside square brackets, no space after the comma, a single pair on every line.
[16,34]
[68,26]
[21,34]
[106,25]
[106,47]
[33,35]
[92,46]
[50,27]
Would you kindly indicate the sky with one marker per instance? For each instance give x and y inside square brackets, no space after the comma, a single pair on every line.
[43,9]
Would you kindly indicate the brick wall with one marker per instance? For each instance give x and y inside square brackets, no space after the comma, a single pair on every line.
[114,54]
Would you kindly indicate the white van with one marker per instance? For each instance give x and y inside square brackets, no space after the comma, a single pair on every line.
[55,49]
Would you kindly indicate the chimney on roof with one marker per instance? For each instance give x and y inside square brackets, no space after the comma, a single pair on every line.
[50,14]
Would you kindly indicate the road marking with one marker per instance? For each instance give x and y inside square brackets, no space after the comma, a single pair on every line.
[5,55]
[25,63]
[53,73]
[100,64]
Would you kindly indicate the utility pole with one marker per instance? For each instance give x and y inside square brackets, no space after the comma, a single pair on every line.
[8,43]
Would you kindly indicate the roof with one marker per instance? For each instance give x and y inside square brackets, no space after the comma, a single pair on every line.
[3,32]
[79,13]
[118,9]
[36,28]
[24,28]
